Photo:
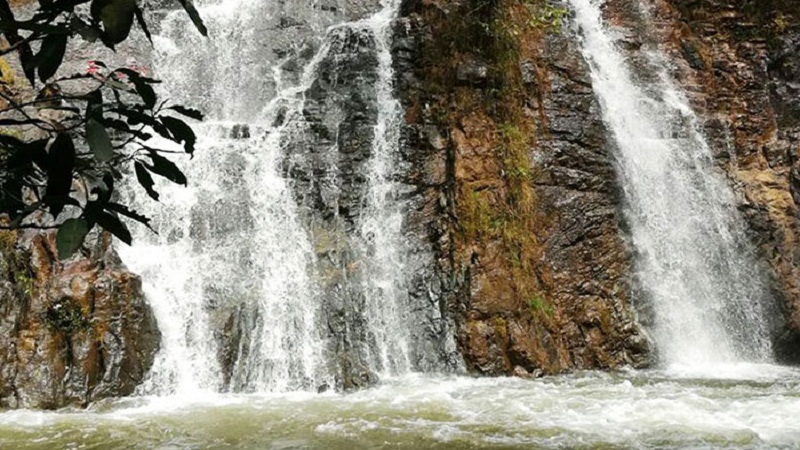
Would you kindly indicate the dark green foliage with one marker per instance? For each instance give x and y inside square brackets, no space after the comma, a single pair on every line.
[70,236]
[99,141]
[116,17]
[145,179]
[66,315]
[60,166]
[101,132]
[198,22]
[166,168]
[51,55]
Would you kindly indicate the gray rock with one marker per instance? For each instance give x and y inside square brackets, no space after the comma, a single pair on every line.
[473,71]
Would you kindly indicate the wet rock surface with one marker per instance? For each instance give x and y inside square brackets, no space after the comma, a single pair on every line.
[329,165]
[563,301]
[71,332]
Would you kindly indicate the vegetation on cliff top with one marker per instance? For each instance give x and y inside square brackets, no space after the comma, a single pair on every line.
[62,152]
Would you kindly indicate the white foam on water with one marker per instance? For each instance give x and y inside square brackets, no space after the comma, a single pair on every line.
[628,409]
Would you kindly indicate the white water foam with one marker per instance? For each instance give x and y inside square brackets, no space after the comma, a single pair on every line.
[382,218]
[649,409]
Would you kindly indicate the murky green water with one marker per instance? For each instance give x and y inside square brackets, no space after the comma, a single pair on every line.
[734,407]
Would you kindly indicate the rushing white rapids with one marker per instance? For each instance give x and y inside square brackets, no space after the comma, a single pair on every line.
[693,258]
[234,240]
[751,407]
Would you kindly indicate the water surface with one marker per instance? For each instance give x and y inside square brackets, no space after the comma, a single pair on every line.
[741,406]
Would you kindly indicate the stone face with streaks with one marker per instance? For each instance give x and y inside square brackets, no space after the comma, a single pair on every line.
[562,301]
[71,332]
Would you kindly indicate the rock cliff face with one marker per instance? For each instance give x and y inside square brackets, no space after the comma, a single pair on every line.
[341,111]
[512,161]
[71,332]
[330,167]
[740,65]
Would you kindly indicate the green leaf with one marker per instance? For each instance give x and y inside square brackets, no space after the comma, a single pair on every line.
[188,112]
[88,32]
[70,237]
[147,93]
[6,15]
[142,86]
[94,104]
[112,224]
[125,128]
[24,152]
[195,16]
[28,62]
[127,212]
[51,55]
[61,161]
[118,85]
[36,151]
[99,141]
[181,132]
[166,168]
[134,117]
[143,23]
[117,18]
[144,178]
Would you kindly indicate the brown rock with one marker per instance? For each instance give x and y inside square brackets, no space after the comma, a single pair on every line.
[528,233]
[71,332]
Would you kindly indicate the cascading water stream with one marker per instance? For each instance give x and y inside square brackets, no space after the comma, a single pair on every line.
[382,220]
[692,254]
[233,274]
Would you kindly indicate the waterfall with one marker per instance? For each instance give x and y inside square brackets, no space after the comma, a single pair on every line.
[381,224]
[282,266]
[693,260]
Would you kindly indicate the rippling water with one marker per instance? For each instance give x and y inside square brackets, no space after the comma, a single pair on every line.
[742,406]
